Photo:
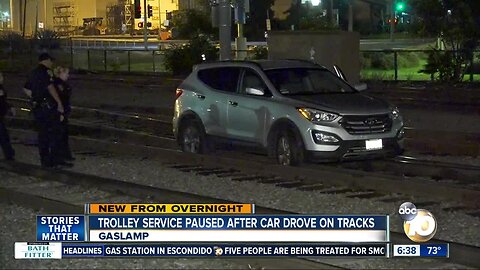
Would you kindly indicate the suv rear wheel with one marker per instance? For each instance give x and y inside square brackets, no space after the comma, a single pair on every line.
[289,150]
[193,138]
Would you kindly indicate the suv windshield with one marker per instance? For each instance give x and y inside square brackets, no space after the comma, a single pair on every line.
[307,81]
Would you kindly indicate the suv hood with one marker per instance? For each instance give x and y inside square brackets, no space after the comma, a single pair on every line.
[351,103]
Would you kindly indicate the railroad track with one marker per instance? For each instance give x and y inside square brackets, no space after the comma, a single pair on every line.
[353,183]
[403,166]
[60,191]
[63,192]
[156,121]
[155,130]
[400,169]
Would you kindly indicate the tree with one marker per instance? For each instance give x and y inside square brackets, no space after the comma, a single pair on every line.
[308,17]
[190,22]
[457,23]
[179,59]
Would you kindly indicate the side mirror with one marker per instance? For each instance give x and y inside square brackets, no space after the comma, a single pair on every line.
[361,86]
[254,91]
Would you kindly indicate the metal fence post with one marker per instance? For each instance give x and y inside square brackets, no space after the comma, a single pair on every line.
[105,60]
[395,64]
[71,53]
[471,65]
[128,60]
[88,59]
[153,59]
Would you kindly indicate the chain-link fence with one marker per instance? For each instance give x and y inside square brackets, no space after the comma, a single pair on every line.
[409,65]
[390,65]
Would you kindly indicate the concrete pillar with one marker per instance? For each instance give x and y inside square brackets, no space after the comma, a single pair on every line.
[225,30]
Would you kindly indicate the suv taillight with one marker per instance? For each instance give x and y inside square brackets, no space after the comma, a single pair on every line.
[178,93]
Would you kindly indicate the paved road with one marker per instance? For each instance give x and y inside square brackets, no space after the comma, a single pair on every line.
[386,44]
[137,43]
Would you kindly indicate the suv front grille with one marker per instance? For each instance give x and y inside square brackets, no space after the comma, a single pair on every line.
[366,124]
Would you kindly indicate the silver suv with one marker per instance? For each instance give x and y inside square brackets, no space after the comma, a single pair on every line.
[294,109]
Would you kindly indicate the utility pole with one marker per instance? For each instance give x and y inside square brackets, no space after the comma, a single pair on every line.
[225,29]
[160,21]
[24,17]
[36,19]
[145,29]
[392,20]
[241,8]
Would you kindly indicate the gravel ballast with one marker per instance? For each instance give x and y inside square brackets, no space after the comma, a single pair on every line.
[19,225]
[452,226]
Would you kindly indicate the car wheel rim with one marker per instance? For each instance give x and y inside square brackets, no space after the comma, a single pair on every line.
[191,140]
[283,151]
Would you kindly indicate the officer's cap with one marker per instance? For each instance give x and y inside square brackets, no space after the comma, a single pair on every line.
[45,56]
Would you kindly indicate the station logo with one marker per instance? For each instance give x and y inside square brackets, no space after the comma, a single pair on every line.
[218,251]
[419,224]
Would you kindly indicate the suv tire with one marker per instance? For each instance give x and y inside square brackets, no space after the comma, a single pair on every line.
[193,138]
[288,149]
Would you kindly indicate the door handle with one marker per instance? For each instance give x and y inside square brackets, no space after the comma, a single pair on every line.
[200,96]
[233,103]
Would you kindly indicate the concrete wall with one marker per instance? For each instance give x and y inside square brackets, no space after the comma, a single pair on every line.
[328,49]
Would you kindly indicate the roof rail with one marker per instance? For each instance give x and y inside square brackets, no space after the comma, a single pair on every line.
[232,61]
[301,60]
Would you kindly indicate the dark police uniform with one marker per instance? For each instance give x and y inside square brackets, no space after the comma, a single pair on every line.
[8,151]
[64,92]
[47,117]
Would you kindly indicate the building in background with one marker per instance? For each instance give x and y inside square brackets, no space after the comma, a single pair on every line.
[70,17]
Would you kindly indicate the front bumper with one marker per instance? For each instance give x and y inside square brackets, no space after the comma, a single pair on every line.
[356,150]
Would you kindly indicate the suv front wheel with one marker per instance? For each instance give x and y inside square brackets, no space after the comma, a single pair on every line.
[289,149]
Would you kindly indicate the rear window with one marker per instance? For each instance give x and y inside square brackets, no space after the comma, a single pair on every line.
[222,79]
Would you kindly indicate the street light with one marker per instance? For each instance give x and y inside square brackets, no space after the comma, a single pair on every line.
[400,6]
[316,2]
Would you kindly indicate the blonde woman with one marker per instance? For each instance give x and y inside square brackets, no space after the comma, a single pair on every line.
[64,92]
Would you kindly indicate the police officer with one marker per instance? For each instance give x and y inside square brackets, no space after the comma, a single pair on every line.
[64,91]
[48,111]
[8,151]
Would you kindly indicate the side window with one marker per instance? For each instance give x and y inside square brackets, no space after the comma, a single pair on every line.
[222,79]
[252,80]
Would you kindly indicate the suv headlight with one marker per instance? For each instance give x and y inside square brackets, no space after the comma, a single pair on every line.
[317,116]
[395,113]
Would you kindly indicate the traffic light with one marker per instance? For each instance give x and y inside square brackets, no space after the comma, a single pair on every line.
[138,9]
[400,6]
[150,11]
[395,21]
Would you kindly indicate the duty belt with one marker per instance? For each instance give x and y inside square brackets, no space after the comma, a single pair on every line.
[41,103]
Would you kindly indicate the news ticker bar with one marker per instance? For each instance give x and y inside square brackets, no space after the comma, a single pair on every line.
[157,208]
[58,250]
[42,250]
[422,250]
[212,228]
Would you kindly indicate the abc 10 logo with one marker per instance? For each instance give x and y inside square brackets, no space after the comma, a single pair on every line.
[418,224]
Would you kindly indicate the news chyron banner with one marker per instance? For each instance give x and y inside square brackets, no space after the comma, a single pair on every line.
[202,230]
